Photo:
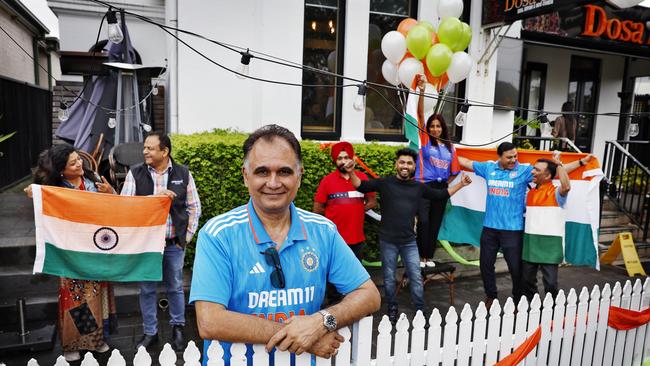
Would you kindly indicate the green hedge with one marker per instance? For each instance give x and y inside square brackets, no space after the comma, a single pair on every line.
[215,160]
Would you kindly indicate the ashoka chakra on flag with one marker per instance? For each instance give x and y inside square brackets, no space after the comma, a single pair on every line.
[95,236]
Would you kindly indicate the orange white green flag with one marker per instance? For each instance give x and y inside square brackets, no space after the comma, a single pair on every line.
[95,236]
[463,219]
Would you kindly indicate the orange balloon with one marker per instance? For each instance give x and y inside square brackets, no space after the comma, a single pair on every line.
[434,38]
[406,25]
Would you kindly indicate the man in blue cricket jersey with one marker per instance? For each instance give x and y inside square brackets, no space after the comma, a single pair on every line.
[503,225]
[260,270]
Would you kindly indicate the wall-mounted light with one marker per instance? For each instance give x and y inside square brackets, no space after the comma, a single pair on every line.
[313,25]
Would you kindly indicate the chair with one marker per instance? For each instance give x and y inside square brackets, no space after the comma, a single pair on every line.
[88,161]
[120,160]
[442,272]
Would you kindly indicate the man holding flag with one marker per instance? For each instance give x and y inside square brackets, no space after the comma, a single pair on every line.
[544,229]
[160,175]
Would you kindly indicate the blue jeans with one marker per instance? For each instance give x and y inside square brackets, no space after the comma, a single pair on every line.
[173,258]
[411,259]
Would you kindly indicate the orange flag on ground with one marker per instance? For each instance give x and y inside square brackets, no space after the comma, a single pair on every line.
[522,351]
[626,319]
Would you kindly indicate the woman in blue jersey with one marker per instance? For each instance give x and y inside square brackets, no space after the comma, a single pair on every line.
[437,165]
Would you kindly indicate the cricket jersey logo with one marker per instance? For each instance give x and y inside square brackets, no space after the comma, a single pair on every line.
[309,259]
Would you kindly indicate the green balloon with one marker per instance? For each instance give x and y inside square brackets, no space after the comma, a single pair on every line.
[418,41]
[438,59]
[450,32]
[466,38]
[428,25]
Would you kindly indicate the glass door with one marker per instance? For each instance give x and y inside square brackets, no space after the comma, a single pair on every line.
[583,93]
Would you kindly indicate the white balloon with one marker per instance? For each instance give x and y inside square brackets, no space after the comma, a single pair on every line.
[408,69]
[460,66]
[390,72]
[429,103]
[393,46]
[450,8]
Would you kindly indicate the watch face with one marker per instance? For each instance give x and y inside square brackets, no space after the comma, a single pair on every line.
[330,322]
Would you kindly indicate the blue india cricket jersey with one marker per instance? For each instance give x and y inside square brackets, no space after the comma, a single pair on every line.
[506,194]
[229,268]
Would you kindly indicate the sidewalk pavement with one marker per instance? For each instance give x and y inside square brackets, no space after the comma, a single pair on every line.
[468,290]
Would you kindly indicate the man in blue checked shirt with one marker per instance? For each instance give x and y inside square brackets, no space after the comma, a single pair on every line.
[161,175]
[260,269]
[503,225]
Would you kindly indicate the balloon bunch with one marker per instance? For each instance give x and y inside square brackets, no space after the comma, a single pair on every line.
[417,48]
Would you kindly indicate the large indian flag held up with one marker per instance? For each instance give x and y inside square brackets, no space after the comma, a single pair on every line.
[95,236]
[463,220]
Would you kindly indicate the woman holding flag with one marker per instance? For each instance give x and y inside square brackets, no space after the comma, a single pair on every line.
[86,308]
[437,166]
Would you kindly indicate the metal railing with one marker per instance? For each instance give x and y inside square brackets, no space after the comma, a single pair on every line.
[549,142]
[627,180]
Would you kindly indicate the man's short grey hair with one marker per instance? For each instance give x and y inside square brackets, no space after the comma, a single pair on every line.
[268,133]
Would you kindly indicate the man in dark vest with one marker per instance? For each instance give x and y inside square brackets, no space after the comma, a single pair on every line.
[160,175]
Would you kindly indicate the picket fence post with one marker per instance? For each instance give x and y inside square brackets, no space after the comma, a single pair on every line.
[533,322]
[434,337]
[590,331]
[643,342]
[417,339]
[478,339]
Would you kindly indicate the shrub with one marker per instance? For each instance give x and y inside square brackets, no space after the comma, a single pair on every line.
[215,160]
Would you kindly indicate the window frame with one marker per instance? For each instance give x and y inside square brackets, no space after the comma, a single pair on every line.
[340,57]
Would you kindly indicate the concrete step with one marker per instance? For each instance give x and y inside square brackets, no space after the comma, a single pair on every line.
[17,243]
[608,234]
[19,281]
[613,218]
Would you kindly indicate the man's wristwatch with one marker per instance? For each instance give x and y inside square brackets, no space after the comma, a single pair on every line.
[329,320]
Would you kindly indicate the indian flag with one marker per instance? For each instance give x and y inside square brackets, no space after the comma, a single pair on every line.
[95,236]
[463,220]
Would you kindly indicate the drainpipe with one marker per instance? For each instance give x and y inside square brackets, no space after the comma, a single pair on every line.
[171,19]
[37,74]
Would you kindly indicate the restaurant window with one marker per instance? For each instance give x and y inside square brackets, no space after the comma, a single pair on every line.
[323,50]
[382,122]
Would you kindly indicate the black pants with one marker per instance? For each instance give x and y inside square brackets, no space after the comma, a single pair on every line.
[529,277]
[430,214]
[510,243]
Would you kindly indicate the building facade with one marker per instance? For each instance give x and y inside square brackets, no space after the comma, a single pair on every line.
[534,63]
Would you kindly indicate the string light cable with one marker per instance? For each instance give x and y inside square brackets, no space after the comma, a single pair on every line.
[288,63]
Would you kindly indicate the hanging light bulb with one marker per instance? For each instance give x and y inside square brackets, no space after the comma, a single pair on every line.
[633,129]
[360,99]
[461,117]
[115,34]
[154,90]
[243,68]
[112,122]
[64,113]
[145,127]
[543,117]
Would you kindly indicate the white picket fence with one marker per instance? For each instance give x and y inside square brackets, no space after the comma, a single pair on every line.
[574,332]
